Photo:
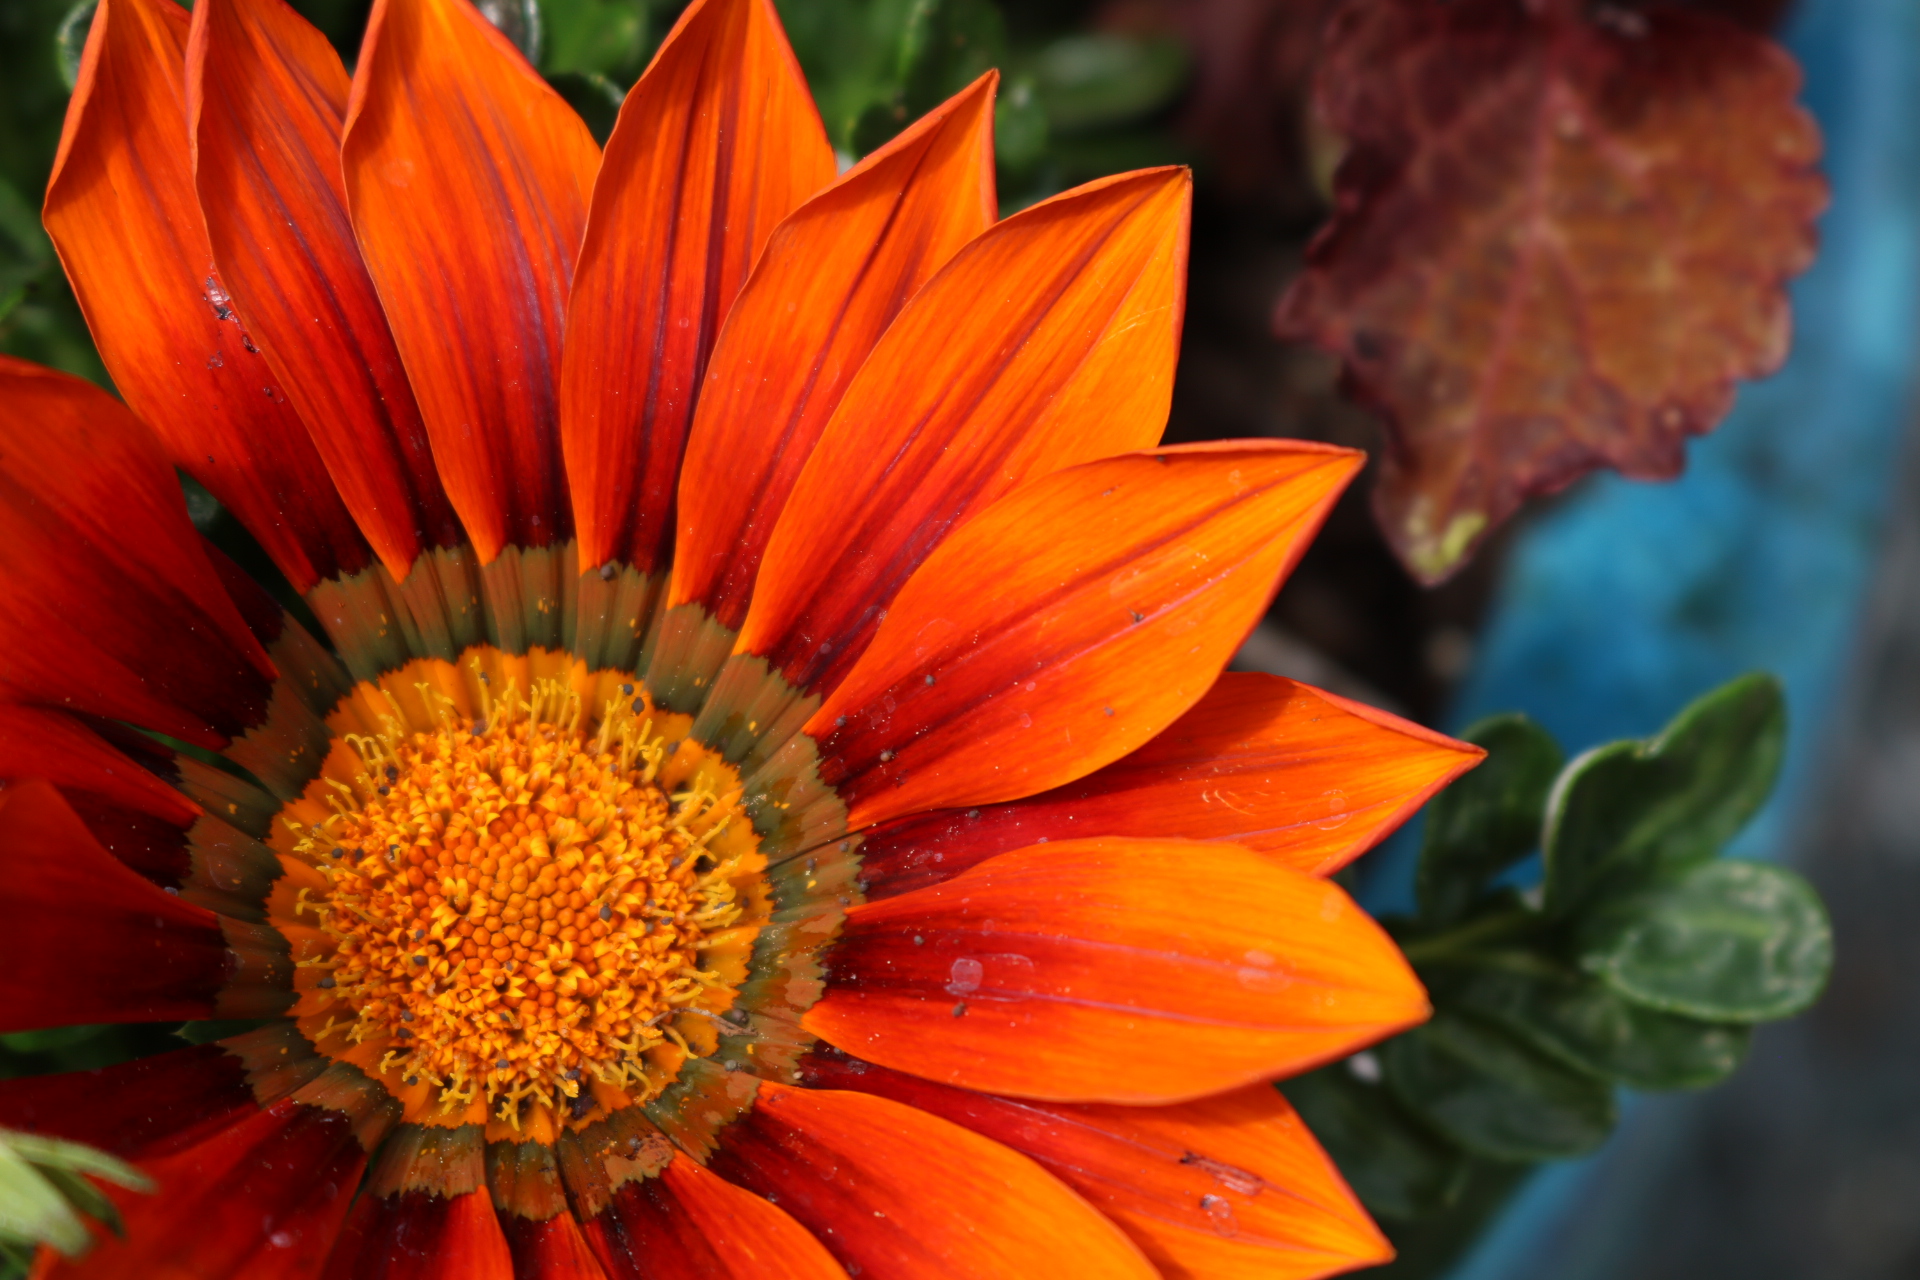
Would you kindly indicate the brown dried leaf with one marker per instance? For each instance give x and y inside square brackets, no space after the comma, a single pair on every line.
[1557,243]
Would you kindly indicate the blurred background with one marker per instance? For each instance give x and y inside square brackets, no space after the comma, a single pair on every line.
[1792,544]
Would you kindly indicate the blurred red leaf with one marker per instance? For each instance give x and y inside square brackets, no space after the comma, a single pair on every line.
[1557,242]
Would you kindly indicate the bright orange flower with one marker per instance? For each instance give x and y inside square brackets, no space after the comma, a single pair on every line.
[766,802]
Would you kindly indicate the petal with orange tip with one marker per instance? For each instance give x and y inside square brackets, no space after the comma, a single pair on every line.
[266,96]
[87,940]
[834,275]
[123,214]
[421,1236]
[1228,1187]
[1048,340]
[688,1224]
[467,180]
[107,603]
[1070,623]
[1128,971]
[893,1191]
[714,146]
[1307,778]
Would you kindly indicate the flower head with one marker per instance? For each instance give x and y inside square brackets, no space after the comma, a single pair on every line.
[763,798]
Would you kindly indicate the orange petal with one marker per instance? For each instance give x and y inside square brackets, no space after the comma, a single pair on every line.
[833,277]
[87,940]
[1047,341]
[551,1249]
[1231,1187]
[1070,623]
[107,604]
[1307,778]
[467,181]
[133,814]
[266,96]
[123,214]
[261,1200]
[713,147]
[134,1108]
[58,747]
[1135,971]
[899,1193]
[688,1224]
[418,1236]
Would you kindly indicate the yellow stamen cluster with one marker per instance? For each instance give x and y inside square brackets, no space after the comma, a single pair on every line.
[519,905]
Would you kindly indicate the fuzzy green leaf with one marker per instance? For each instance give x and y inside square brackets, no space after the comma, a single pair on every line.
[1732,941]
[1490,818]
[1587,1025]
[1495,1095]
[1628,814]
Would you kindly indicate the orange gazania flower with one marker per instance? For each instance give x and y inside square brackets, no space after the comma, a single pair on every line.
[765,802]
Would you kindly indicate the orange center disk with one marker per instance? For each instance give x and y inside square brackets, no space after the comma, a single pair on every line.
[521,904]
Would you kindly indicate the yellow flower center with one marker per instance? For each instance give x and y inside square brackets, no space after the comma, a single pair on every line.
[521,904]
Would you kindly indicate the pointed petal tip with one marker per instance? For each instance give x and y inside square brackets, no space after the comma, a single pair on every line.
[1004,979]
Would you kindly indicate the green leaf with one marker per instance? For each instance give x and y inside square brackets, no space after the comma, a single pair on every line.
[1732,941]
[1585,1024]
[33,1211]
[898,60]
[70,40]
[85,1198]
[594,97]
[1629,813]
[1488,819]
[518,21]
[945,45]
[1101,79]
[1019,125]
[1494,1095]
[43,1195]
[50,1041]
[605,38]
[1396,1167]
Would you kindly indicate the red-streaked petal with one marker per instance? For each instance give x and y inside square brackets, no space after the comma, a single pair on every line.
[107,604]
[123,214]
[138,1108]
[261,1200]
[714,146]
[1048,340]
[87,940]
[553,1249]
[1230,1187]
[83,765]
[689,1224]
[418,1236]
[1307,778]
[899,1193]
[1070,623]
[467,181]
[266,96]
[833,277]
[1132,971]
